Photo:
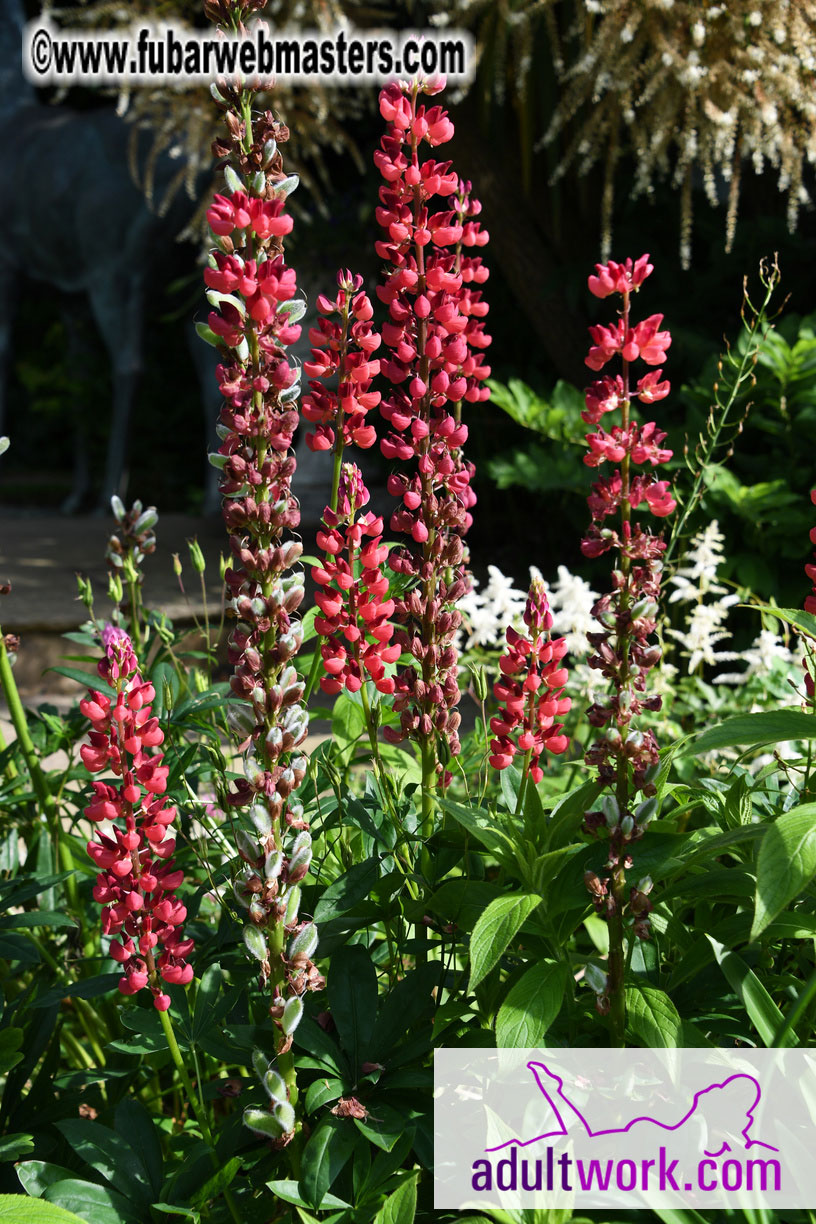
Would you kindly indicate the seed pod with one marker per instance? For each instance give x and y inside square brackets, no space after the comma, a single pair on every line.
[275,1085]
[284,1116]
[261,1063]
[292,1014]
[595,978]
[292,906]
[304,943]
[255,943]
[263,1123]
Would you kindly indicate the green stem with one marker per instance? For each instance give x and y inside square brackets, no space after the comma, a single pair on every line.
[755,329]
[208,648]
[196,1103]
[45,799]
[135,616]
[337,467]
[11,768]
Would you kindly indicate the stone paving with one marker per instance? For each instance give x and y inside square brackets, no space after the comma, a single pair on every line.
[41,556]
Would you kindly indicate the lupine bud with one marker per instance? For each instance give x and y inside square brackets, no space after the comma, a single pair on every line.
[479,675]
[196,556]
[115,588]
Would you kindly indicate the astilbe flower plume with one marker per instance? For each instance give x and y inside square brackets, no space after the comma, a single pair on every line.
[352,593]
[255,315]
[530,691]
[344,341]
[625,755]
[137,880]
[435,332]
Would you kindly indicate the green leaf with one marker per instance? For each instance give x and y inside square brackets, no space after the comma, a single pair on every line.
[352,992]
[326,1152]
[805,622]
[386,1129]
[463,901]
[309,1036]
[483,827]
[36,918]
[12,1147]
[216,1184]
[111,1155]
[763,1013]
[495,929]
[10,1042]
[531,1006]
[405,1009]
[86,988]
[400,1207]
[751,730]
[208,990]
[16,1209]
[88,679]
[786,863]
[36,1175]
[320,1092]
[290,1193]
[136,1127]
[343,894]
[92,1203]
[653,1017]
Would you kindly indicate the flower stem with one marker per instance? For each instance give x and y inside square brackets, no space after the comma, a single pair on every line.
[45,799]
[196,1103]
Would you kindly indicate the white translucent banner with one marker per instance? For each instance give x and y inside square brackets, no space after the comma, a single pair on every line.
[591,1128]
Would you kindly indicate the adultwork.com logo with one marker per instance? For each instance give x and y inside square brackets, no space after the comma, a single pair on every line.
[624,1128]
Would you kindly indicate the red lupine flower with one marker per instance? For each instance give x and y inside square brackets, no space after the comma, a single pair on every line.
[352,593]
[138,896]
[530,691]
[343,347]
[619,278]
[436,338]
[626,617]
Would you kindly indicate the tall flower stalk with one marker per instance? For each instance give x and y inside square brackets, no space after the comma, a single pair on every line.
[137,881]
[530,693]
[254,320]
[436,335]
[625,754]
[344,343]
